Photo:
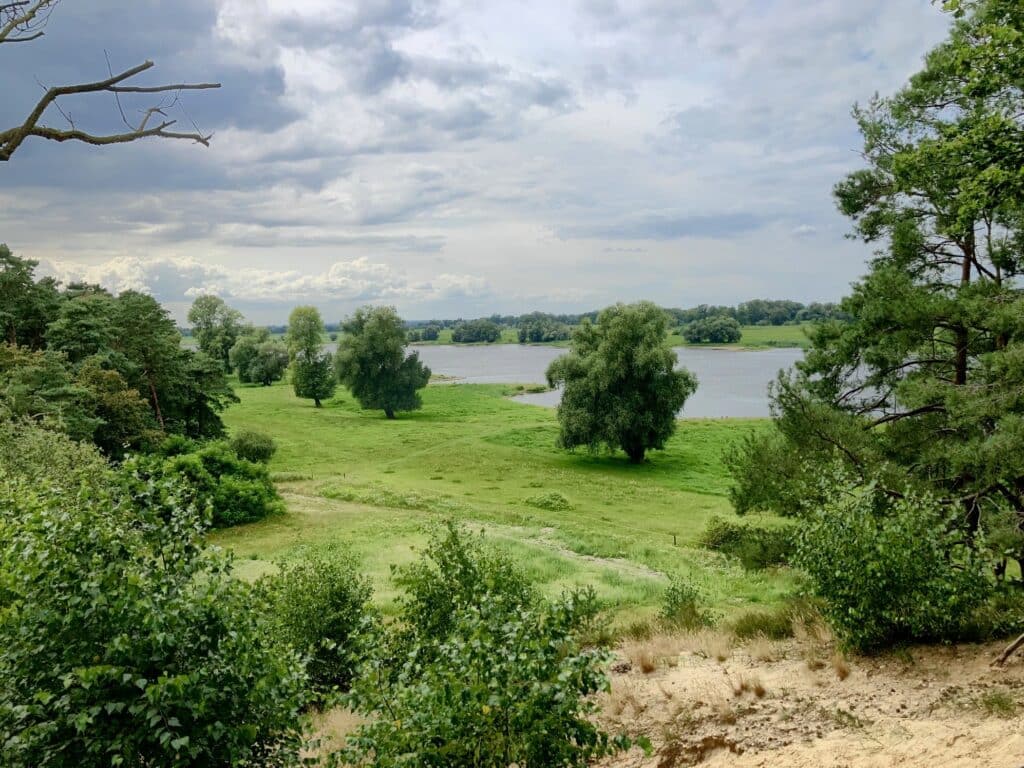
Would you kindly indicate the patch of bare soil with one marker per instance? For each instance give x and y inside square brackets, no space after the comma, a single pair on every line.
[801,704]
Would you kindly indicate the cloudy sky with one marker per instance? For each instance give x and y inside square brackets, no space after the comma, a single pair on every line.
[460,157]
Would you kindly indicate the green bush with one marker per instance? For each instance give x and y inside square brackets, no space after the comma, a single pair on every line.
[254,446]
[755,547]
[321,606]
[236,491]
[891,570]
[713,330]
[552,501]
[682,607]
[458,571]
[491,675]
[123,640]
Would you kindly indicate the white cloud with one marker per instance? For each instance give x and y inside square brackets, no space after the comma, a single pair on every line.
[175,279]
[422,152]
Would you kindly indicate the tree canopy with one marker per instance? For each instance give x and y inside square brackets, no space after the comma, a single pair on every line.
[82,360]
[713,330]
[216,327]
[373,363]
[926,383]
[621,389]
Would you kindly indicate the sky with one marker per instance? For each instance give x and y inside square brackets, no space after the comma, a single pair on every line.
[457,158]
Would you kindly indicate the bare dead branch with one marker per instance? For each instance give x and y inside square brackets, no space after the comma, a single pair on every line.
[1010,649]
[164,88]
[20,21]
[12,138]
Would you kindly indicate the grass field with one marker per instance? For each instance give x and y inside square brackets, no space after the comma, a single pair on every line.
[759,337]
[355,481]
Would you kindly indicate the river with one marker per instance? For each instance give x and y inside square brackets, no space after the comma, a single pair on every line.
[733,383]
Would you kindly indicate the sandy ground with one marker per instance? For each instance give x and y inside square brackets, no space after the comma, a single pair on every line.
[798,703]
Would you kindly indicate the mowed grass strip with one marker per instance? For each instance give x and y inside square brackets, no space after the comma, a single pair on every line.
[358,482]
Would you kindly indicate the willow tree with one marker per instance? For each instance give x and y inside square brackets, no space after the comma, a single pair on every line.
[373,363]
[621,387]
[926,384]
[24,21]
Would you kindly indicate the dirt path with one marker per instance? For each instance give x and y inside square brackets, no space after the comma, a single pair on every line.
[793,705]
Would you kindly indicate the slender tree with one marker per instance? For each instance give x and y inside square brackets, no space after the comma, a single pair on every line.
[621,389]
[373,363]
[313,375]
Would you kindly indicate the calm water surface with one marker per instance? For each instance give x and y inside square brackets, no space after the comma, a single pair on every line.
[733,383]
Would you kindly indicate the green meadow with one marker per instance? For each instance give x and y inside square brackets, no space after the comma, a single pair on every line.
[355,482]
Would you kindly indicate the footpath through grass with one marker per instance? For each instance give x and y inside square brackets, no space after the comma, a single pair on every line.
[355,481]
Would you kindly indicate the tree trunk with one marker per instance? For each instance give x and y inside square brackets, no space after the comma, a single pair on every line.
[156,401]
[389,413]
[316,402]
[636,454]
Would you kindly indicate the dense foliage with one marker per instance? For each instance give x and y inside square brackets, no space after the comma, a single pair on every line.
[489,675]
[123,640]
[713,330]
[216,327]
[373,363]
[427,333]
[313,376]
[476,332]
[258,358]
[321,607]
[621,386]
[755,546]
[890,569]
[103,368]
[253,446]
[539,327]
[213,477]
[927,381]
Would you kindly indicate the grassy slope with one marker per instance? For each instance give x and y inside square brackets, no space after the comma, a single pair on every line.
[372,486]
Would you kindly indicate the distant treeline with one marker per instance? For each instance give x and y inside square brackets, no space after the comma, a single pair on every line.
[754,312]
[545,326]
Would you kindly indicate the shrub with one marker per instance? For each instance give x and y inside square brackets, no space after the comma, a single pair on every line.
[891,570]
[253,446]
[681,607]
[123,640]
[493,676]
[235,490]
[321,606]
[552,501]
[755,547]
[458,571]
[713,330]
[775,624]
[476,331]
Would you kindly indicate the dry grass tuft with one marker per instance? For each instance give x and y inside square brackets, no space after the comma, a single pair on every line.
[622,698]
[840,665]
[652,654]
[764,650]
[711,645]
[723,710]
[748,684]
